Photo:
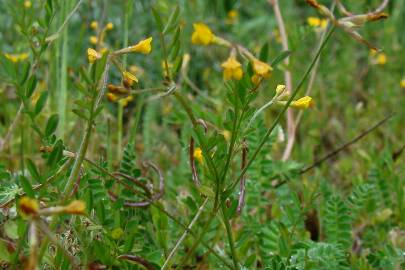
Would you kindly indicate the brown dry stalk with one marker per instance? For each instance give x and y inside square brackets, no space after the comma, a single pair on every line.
[288,79]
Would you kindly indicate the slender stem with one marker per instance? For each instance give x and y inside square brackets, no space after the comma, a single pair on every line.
[230,237]
[198,240]
[204,147]
[119,129]
[278,118]
[181,239]
[315,69]
[160,208]
[56,34]
[62,99]
[3,143]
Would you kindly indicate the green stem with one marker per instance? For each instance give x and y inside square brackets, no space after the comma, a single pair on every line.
[119,129]
[86,138]
[62,99]
[230,237]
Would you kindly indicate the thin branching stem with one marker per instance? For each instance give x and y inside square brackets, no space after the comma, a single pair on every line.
[278,118]
[184,235]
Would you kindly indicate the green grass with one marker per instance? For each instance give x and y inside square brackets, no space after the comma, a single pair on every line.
[67,139]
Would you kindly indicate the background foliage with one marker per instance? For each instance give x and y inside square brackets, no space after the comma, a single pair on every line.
[345,214]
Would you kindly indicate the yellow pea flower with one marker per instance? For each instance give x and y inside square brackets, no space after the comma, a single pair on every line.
[92,55]
[227,134]
[324,23]
[129,78]
[76,207]
[402,83]
[109,26]
[232,69]
[302,103]
[198,154]
[202,34]
[28,206]
[94,25]
[381,59]
[314,21]
[280,89]
[143,46]
[93,40]
[16,57]
[262,69]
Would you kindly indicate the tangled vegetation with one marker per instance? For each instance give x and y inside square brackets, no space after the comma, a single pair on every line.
[202,134]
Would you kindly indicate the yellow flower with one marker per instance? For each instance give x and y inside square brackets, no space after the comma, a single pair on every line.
[93,40]
[314,21]
[402,83]
[94,25]
[232,69]
[378,58]
[202,34]
[302,103]
[92,55]
[27,4]
[16,57]
[324,23]
[76,207]
[381,59]
[143,46]
[109,26]
[111,97]
[280,89]
[129,78]
[198,154]
[124,102]
[262,69]
[28,206]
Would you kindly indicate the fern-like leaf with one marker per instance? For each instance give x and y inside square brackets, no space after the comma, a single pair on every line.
[337,222]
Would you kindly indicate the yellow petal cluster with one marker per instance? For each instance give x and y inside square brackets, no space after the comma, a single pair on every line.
[202,34]
[317,22]
[143,46]
[92,55]
[232,69]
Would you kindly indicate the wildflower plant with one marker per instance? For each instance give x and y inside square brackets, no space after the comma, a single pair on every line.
[158,146]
